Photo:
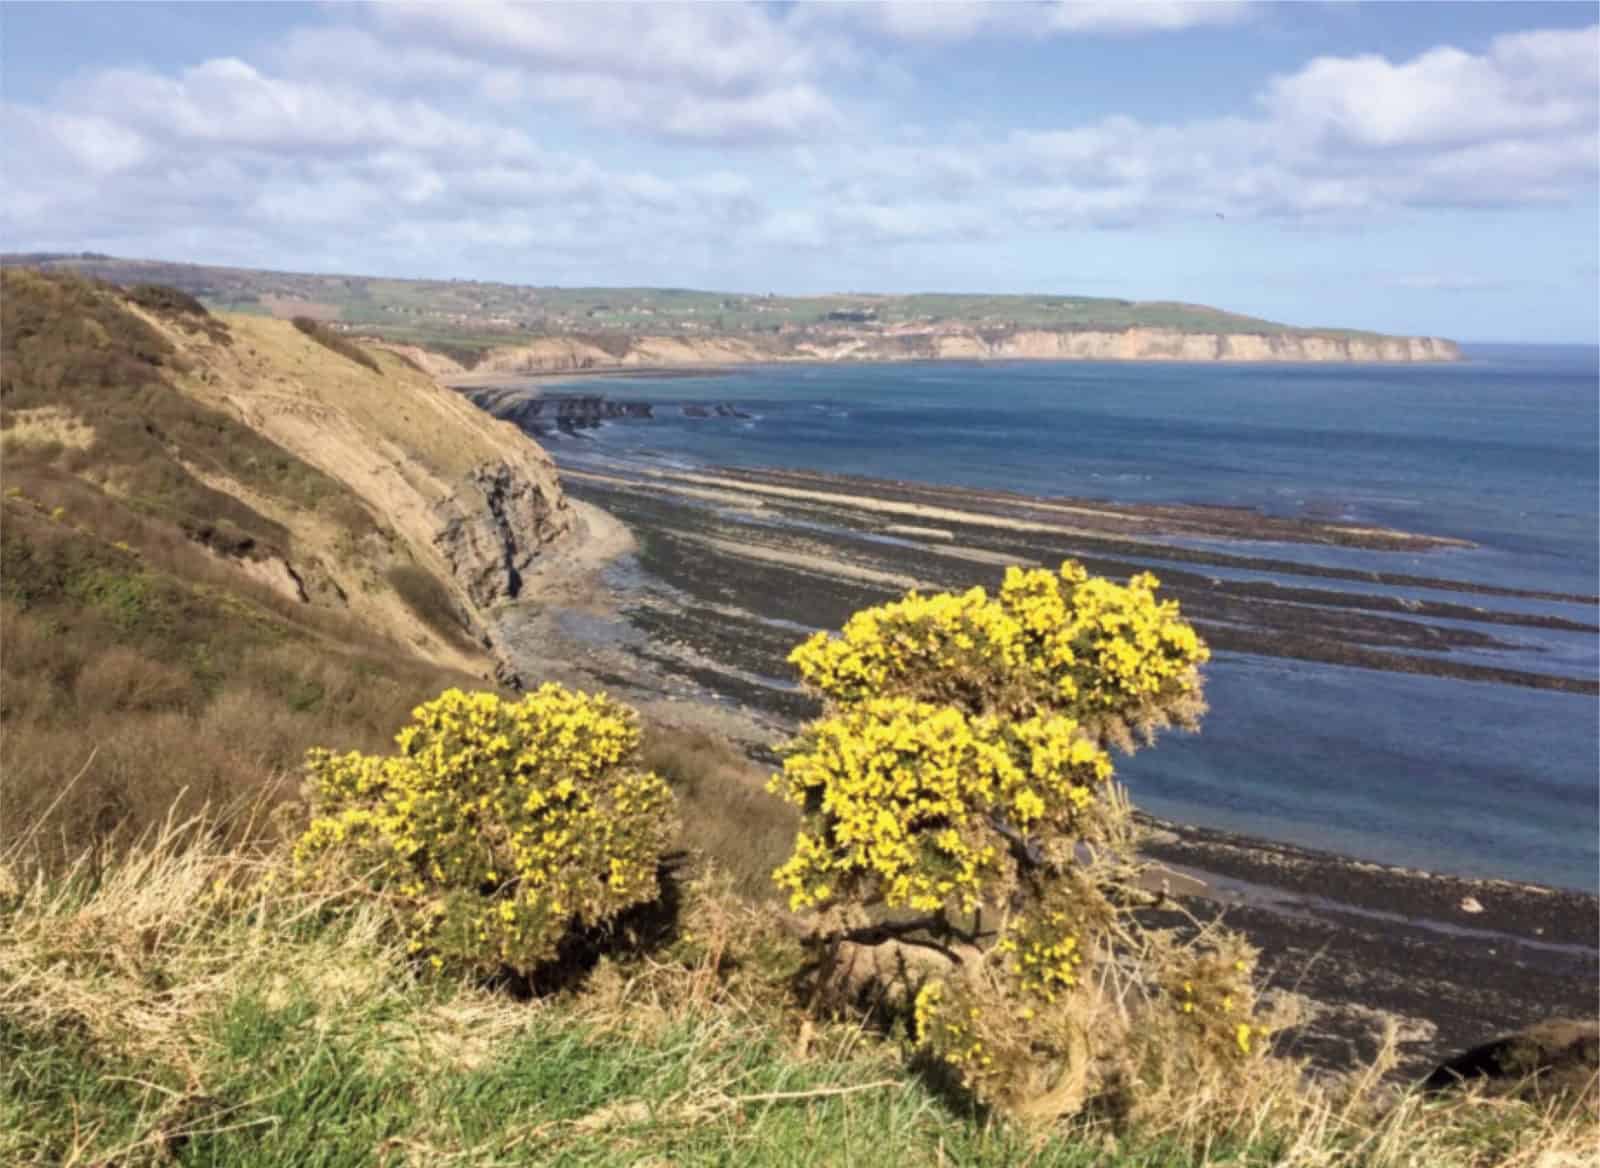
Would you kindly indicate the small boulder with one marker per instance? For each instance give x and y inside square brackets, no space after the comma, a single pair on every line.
[1469,904]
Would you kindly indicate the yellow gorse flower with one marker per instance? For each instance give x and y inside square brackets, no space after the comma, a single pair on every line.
[498,824]
[1058,641]
[959,722]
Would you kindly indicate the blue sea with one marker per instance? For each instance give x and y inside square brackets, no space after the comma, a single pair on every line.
[1502,449]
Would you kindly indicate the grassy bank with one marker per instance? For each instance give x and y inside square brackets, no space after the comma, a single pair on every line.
[191,595]
[183,1005]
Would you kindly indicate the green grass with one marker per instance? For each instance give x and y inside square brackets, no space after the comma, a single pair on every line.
[171,1008]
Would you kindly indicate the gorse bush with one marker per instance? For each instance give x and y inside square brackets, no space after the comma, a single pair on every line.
[960,768]
[1110,656]
[498,827]
[918,805]
[962,740]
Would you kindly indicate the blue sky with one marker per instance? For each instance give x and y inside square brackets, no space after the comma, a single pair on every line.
[1429,168]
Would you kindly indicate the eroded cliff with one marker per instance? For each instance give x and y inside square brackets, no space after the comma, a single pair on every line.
[951,342]
[239,449]
[473,499]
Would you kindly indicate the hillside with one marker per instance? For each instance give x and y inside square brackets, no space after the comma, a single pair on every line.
[222,532]
[491,327]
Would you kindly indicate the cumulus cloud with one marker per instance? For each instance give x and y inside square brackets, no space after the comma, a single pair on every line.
[721,73]
[253,164]
[1527,84]
[425,128]
[1337,139]
[959,20]
[228,103]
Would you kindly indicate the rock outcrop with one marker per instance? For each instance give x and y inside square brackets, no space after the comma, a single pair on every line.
[491,528]
[546,413]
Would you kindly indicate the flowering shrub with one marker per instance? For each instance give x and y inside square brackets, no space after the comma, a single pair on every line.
[963,735]
[498,826]
[1212,989]
[911,803]
[960,767]
[1110,656]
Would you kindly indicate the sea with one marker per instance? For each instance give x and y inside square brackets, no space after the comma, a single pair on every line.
[1501,449]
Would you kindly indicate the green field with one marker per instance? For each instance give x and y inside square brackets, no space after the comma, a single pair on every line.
[477,315]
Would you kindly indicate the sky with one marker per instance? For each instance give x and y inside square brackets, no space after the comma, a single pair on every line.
[1420,168]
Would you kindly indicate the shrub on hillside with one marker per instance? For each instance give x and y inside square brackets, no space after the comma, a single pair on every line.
[166,300]
[427,597]
[959,774]
[499,827]
[329,339]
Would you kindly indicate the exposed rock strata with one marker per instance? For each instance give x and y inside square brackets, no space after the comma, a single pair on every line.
[490,529]
[455,493]
[958,343]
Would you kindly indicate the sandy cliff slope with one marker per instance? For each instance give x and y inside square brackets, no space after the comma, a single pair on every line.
[472,499]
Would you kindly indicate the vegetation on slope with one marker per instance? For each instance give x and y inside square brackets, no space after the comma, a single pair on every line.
[170,576]
[329,339]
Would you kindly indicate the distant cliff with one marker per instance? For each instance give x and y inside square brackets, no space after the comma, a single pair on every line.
[952,343]
[451,326]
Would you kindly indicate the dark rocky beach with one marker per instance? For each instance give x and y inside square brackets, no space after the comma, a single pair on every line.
[728,569]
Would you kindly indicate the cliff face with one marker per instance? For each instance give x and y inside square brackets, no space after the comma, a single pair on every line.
[957,343]
[450,494]
[1146,344]
[473,498]
[490,529]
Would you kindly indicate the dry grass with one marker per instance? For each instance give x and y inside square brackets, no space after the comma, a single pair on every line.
[727,813]
[148,591]
[331,340]
[104,652]
[189,1003]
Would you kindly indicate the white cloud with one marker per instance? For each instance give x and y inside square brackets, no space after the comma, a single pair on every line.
[725,73]
[1528,84]
[228,103]
[935,21]
[1123,16]
[1336,140]
[427,129]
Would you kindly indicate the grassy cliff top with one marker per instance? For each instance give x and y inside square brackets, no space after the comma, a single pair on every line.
[479,314]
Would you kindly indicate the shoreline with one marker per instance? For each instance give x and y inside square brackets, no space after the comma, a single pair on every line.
[470,380]
[1353,943]
[845,543]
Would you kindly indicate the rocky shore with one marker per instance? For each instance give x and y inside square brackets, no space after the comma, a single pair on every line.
[708,579]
